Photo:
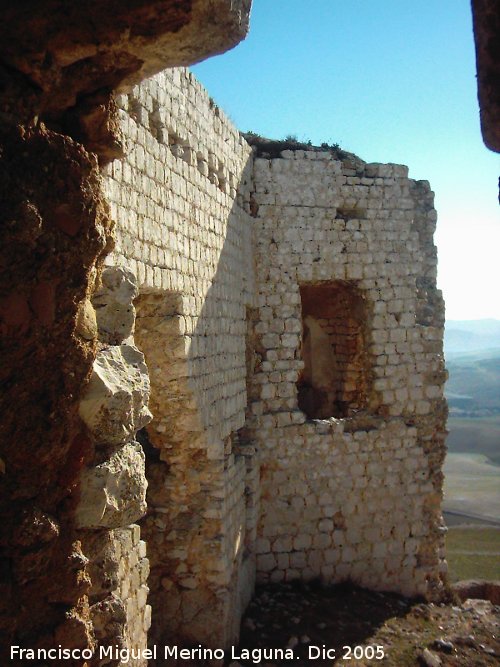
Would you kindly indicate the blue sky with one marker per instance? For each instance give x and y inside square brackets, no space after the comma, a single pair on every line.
[392,81]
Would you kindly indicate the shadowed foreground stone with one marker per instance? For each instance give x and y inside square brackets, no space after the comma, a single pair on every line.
[113,302]
[486,18]
[70,50]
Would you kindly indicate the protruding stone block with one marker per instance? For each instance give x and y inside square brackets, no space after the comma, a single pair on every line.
[115,404]
[113,494]
[113,303]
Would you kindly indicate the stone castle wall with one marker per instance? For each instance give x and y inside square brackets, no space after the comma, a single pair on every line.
[289,318]
[181,202]
[358,496]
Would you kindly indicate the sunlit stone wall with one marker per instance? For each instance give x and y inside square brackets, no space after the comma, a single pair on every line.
[354,495]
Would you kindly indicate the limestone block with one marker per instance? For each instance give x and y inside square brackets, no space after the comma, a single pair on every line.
[283,561]
[113,493]
[298,560]
[115,312]
[302,541]
[283,544]
[114,406]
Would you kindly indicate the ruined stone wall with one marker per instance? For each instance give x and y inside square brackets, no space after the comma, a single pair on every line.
[316,390]
[180,200]
[353,497]
[59,66]
[353,491]
[119,571]
[113,485]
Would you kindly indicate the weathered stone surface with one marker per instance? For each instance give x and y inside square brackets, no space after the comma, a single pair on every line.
[109,619]
[225,353]
[95,123]
[486,19]
[104,556]
[319,217]
[75,631]
[114,406]
[77,49]
[190,244]
[430,659]
[113,302]
[53,232]
[86,324]
[363,232]
[479,606]
[113,493]
[119,569]
[36,528]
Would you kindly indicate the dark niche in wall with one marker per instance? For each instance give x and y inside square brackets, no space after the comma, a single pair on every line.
[335,378]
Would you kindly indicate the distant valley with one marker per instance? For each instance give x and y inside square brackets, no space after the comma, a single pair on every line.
[472,467]
[472,351]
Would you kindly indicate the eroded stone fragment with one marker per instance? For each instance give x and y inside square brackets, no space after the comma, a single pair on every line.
[115,404]
[109,617]
[113,493]
[86,325]
[113,304]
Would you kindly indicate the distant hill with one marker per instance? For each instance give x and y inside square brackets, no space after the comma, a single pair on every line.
[480,435]
[472,350]
[464,336]
[473,387]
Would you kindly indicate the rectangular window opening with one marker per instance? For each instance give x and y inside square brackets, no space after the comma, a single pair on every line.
[335,379]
